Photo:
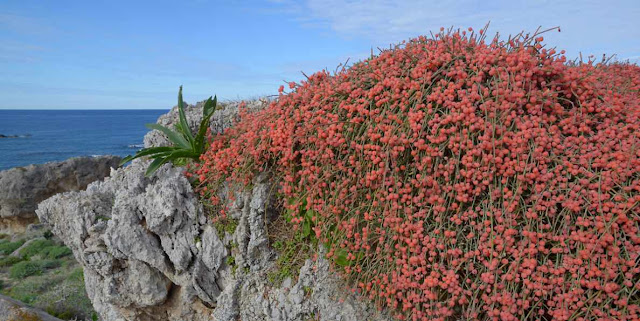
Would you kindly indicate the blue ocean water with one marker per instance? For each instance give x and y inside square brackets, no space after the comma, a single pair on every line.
[55,135]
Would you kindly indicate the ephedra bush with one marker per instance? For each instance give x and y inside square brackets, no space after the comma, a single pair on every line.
[455,177]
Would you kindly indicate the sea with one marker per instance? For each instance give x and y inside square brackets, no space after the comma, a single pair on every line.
[55,135]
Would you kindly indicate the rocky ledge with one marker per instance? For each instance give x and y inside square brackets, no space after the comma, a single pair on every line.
[150,253]
[22,188]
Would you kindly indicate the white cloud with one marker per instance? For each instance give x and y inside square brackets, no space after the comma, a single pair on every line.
[591,27]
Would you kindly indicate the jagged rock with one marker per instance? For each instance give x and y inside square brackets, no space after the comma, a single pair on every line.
[150,253]
[22,188]
[135,238]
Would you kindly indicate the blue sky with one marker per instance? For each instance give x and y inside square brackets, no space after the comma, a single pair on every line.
[135,54]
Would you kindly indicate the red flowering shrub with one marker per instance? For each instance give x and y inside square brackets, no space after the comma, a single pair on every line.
[457,178]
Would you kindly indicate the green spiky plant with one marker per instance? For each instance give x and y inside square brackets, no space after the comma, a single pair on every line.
[185,145]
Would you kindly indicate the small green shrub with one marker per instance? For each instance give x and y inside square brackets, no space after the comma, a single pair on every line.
[24,269]
[76,275]
[185,145]
[10,260]
[29,289]
[66,298]
[7,248]
[64,314]
[227,225]
[49,264]
[4,236]
[56,252]
[61,293]
[36,247]
[231,261]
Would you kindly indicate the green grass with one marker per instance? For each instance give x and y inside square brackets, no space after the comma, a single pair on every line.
[291,256]
[26,268]
[56,252]
[36,247]
[50,264]
[10,260]
[60,292]
[28,289]
[45,276]
[293,250]
[76,275]
[44,249]
[7,248]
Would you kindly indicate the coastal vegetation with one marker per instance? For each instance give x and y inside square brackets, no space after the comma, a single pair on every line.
[455,177]
[185,146]
[44,274]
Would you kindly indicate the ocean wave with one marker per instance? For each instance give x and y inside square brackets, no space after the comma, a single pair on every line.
[136,146]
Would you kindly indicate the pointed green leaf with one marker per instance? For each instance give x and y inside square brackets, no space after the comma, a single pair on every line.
[185,130]
[126,159]
[200,137]
[183,153]
[209,107]
[151,151]
[161,160]
[174,137]
[178,128]
[156,150]
[155,165]
[306,228]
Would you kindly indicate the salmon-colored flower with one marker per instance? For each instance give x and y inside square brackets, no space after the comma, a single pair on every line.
[458,178]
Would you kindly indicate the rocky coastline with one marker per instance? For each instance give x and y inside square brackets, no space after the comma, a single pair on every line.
[149,252]
[22,188]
